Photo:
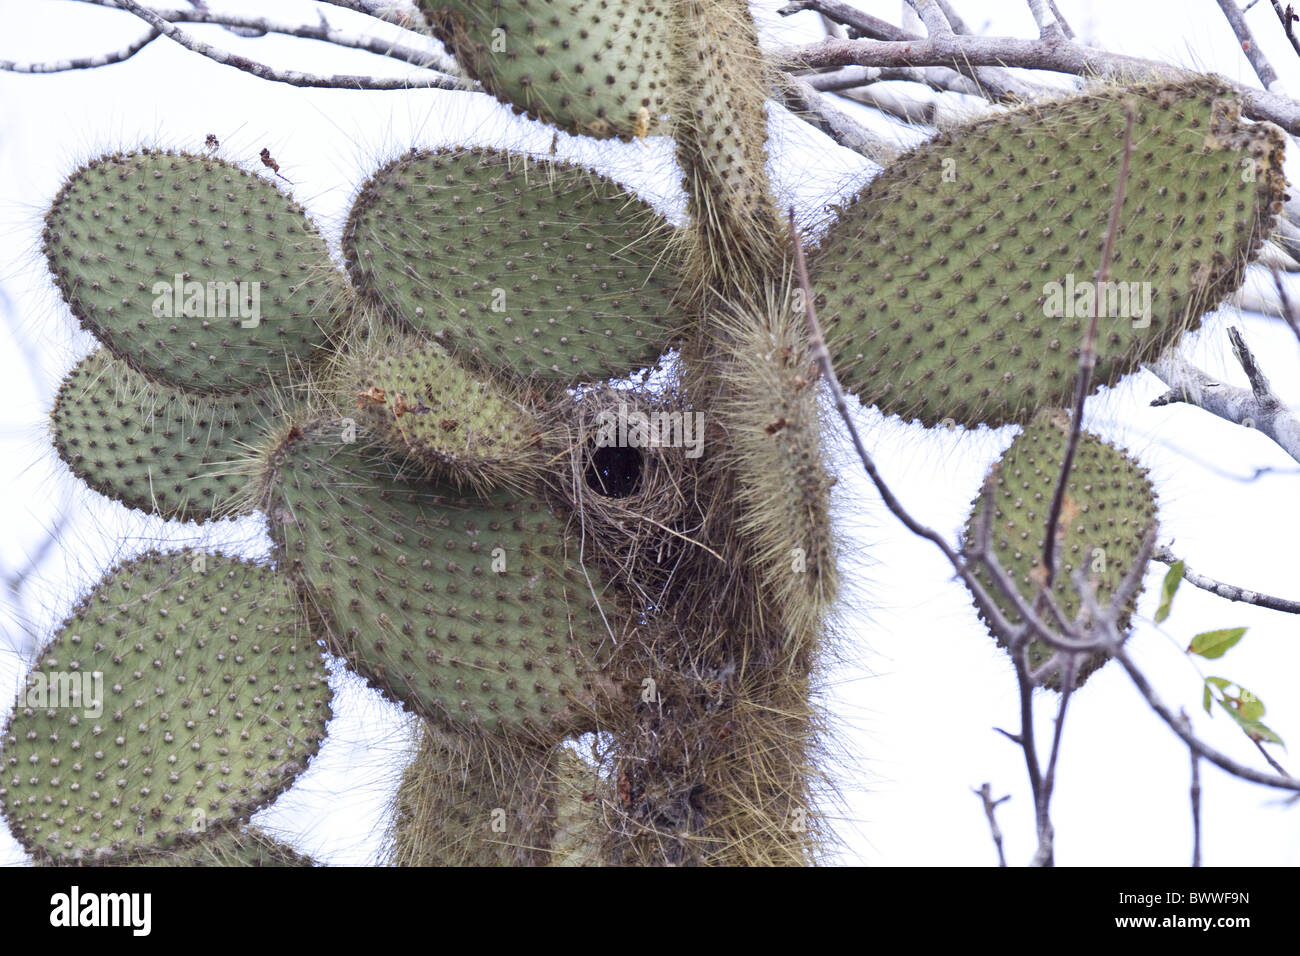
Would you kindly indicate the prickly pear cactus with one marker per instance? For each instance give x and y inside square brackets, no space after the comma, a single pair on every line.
[448,519]
[1109,506]
[230,243]
[958,284]
[152,448]
[594,67]
[182,695]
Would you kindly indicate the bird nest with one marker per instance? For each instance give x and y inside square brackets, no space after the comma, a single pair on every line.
[628,475]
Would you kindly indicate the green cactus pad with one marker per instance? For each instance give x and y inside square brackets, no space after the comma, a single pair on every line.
[212,699]
[958,284]
[154,449]
[472,612]
[452,424]
[596,67]
[527,267]
[124,227]
[1108,508]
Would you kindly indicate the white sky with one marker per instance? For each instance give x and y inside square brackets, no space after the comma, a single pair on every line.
[924,685]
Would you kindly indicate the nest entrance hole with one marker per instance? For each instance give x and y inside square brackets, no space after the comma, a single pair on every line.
[614,471]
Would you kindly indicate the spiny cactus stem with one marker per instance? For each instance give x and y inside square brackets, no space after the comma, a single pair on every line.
[1088,357]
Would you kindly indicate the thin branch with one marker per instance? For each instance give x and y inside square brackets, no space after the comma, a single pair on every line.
[936,24]
[1060,20]
[322,31]
[1047,28]
[1287,231]
[1088,356]
[407,16]
[852,77]
[1287,17]
[82,62]
[1245,300]
[814,108]
[15,580]
[1220,760]
[1288,311]
[964,52]
[989,81]
[911,111]
[985,793]
[1269,757]
[1263,69]
[292,77]
[859,23]
[1195,794]
[834,30]
[1045,832]
[1229,592]
[1256,407]
[1258,380]
[954,18]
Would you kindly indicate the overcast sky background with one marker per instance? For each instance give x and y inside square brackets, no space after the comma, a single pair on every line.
[923,685]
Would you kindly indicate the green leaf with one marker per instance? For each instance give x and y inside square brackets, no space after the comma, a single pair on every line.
[1262,734]
[1213,644]
[1168,588]
[1242,706]
[1253,729]
[1222,683]
[1250,706]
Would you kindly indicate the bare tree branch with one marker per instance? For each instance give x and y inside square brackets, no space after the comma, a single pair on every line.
[985,793]
[954,18]
[1195,794]
[403,14]
[856,76]
[292,77]
[1269,757]
[860,24]
[991,82]
[1256,407]
[1263,69]
[1047,28]
[1287,17]
[814,108]
[1286,310]
[416,51]
[1244,300]
[81,62]
[912,111]
[1230,592]
[1220,760]
[1060,20]
[963,52]
[936,24]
